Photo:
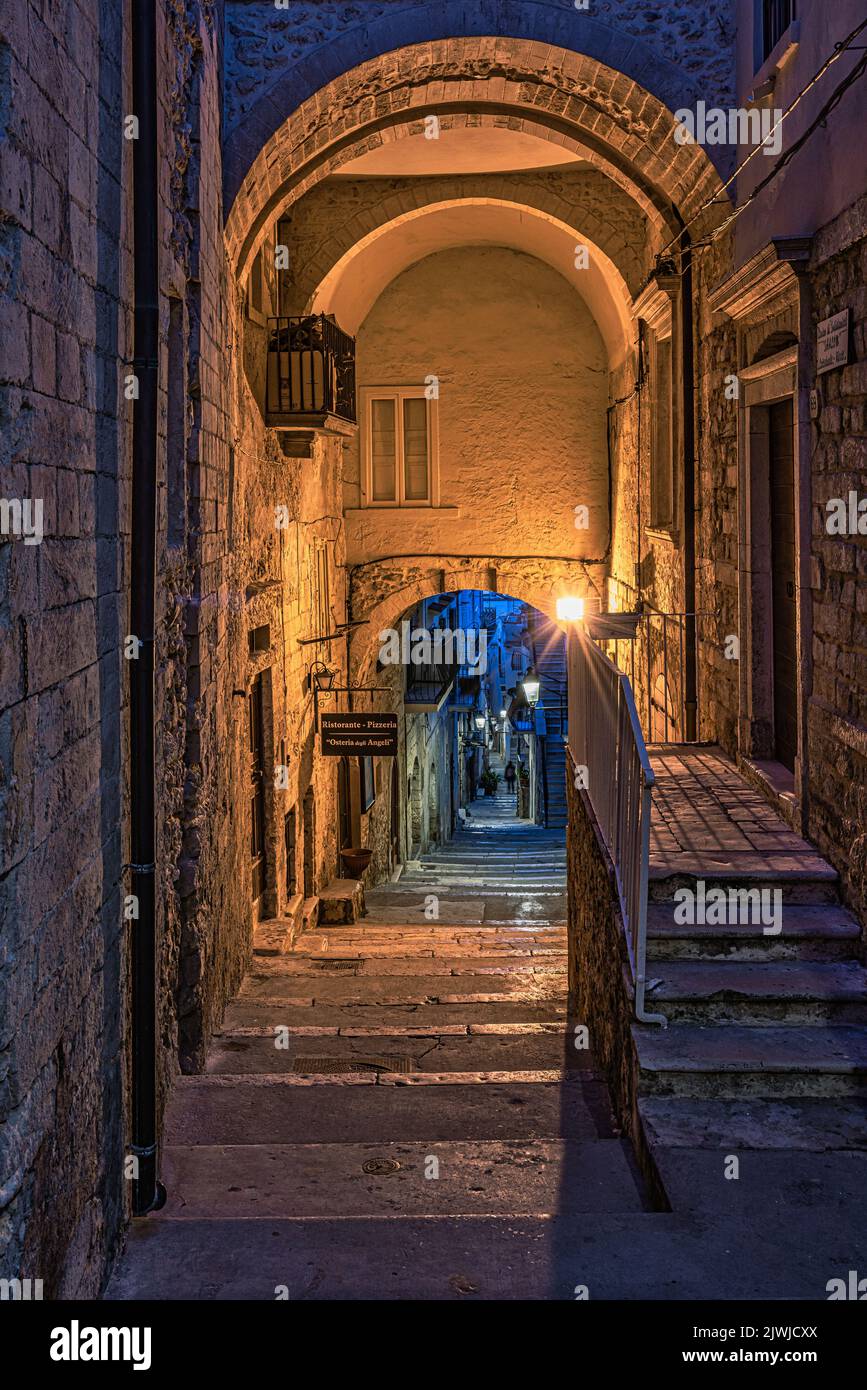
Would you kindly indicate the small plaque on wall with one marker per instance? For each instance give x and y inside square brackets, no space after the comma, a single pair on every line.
[832,342]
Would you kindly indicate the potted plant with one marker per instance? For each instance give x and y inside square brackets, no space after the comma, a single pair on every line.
[490,781]
[355,860]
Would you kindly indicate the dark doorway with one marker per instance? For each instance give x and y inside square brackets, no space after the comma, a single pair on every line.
[785,663]
[394,831]
[289,832]
[257,789]
[344,821]
[309,815]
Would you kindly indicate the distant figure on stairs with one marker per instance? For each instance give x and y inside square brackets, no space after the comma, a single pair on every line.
[510,777]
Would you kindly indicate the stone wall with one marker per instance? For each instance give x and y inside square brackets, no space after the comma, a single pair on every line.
[600,991]
[522,385]
[716,504]
[64,331]
[680,53]
[837,723]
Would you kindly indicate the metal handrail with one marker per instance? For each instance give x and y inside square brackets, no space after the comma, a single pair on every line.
[605,738]
[311,367]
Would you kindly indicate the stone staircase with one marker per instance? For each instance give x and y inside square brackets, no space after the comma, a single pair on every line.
[394,1111]
[550,659]
[766,1046]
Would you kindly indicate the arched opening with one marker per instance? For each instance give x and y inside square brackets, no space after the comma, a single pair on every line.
[433,807]
[415,809]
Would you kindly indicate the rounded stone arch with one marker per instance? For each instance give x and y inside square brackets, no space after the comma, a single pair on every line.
[599,212]
[366,268]
[622,121]
[383,592]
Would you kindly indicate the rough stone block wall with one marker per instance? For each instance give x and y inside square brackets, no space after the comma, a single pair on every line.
[837,727]
[336,214]
[600,998]
[716,495]
[64,329]
[262,44]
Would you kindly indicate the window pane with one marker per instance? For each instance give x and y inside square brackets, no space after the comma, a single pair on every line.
[415,469]
[382,442]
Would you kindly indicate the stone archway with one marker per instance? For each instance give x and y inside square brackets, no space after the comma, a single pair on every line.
[382,592]
[595,210]
[415,808]
[291,138]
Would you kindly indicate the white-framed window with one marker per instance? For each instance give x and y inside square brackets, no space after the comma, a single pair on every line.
[399,447]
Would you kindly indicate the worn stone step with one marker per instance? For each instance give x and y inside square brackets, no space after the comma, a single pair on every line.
[239,1055]
[732,1126]
[267,1014]
[828,1188]
[409,967]
[212,1110]
[809,932]
[805,884]
[472,1177]
[739,1060]
[613,1256]
[379,990]
[792,992]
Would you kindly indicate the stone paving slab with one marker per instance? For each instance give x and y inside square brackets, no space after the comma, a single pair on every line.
[770,1183]
[490,1177]
[736,1125]
[708,821]
[210,1112]
[266,1013]
[656,1256]
[424,988]
[786,980]
[239,1055]
[384,967]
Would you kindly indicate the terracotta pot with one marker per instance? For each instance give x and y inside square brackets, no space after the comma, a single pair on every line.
[356,860]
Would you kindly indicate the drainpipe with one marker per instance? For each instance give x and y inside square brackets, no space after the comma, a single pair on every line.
[690,644]
[147,1193]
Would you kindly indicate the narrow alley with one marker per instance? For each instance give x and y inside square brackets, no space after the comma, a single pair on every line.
[428,1097]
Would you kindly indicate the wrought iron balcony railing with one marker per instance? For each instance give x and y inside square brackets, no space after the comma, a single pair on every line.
[311,371]
[427,687]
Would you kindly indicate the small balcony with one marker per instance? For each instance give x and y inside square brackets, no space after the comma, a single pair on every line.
[428,687]
[311,377]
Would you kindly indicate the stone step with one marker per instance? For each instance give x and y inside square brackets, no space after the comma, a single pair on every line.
[613,1256]
[509,963]
[214,1110]
[423,989]
[739,1061]
[337,1055]
[796,882]
[809,932]
[265,1015]
[754,1124]
[451,1178]
[767,992]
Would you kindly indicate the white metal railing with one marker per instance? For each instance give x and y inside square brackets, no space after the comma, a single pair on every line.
[605,738]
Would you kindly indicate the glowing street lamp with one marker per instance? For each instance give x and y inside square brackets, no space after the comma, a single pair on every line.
[532,687]
[570,609]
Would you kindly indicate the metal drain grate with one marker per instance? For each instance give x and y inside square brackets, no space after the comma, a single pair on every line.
[355,1063]
[336,964]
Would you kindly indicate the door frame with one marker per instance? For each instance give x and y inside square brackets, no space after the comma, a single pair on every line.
[777,378]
